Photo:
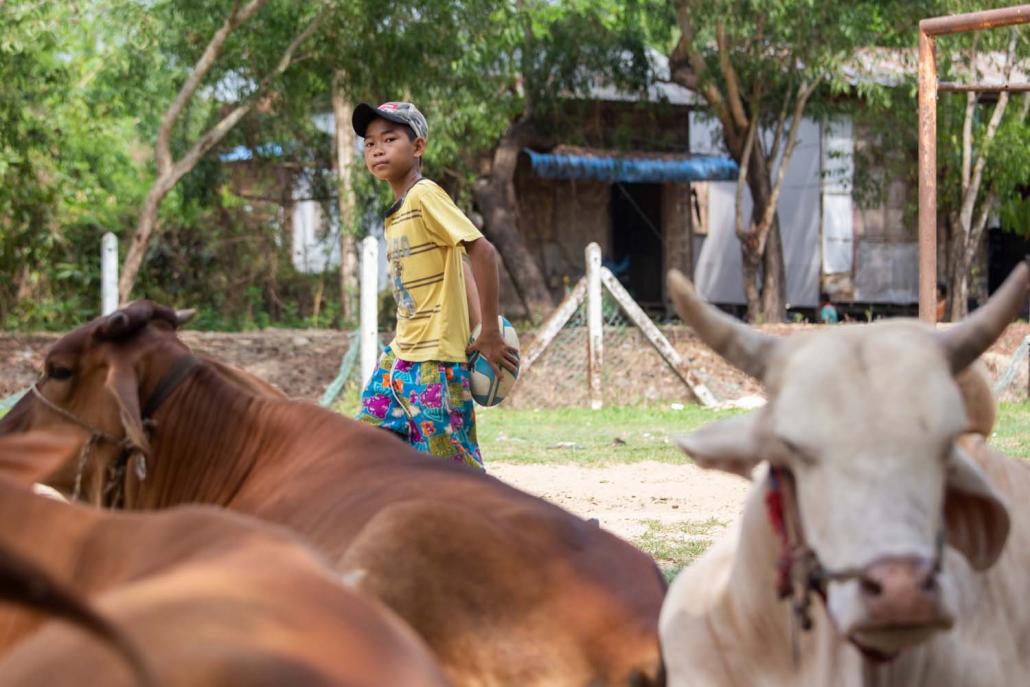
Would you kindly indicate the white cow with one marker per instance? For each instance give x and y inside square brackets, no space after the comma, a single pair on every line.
[868,434]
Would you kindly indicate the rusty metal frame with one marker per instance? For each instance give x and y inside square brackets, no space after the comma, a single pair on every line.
[929,29]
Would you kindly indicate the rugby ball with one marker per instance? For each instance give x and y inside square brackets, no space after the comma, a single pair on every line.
[489,389]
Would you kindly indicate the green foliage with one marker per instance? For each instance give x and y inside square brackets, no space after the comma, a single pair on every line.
[774,45]
[83,87]
[67,171]
[81,95]
[1009,169]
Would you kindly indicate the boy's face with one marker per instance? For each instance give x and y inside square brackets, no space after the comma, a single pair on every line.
[389,151]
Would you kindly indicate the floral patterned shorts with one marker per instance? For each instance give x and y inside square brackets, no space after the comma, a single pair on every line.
[429,404]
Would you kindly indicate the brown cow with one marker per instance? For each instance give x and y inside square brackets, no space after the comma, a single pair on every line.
[506,588]
[24,583]
[210,598]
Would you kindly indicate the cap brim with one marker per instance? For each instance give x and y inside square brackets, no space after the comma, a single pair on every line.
[365,113]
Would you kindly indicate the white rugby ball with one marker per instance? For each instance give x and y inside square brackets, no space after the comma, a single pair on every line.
[489,389]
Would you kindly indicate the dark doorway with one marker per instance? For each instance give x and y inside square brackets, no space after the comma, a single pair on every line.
[1005,250]
[636,245]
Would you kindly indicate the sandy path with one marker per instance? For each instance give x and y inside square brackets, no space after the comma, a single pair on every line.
[626,497]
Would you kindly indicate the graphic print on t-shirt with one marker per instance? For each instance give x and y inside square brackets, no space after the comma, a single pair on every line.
[405,303]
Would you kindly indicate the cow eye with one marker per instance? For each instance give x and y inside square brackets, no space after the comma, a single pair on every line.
[59,373]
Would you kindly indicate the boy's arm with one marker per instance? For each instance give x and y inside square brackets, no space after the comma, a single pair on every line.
[490,344]
[471,293]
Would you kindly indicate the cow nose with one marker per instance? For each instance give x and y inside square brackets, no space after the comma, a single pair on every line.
[901,591]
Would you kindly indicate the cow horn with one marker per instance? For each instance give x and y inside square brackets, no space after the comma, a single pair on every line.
[741,346]
[967,340]
[184,316]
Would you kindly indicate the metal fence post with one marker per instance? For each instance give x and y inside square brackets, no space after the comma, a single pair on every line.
[927,220]
[369,303]
[595,326]
[108,274]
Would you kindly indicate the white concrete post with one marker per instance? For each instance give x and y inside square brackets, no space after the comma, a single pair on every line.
[108,274]
[369,303]
[595,331]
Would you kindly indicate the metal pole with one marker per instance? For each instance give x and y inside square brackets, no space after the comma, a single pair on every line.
[953,87]
[108,274]
[927,178]
[369,302]
[595,326]
[976,21]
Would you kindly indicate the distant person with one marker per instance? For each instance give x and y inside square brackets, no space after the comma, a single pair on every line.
[421,387]
[827,310]
[942,300]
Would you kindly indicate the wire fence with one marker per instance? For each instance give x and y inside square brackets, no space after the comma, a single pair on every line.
[633,372]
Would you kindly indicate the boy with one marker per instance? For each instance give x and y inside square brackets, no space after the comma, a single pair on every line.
[827,310]
[420,389]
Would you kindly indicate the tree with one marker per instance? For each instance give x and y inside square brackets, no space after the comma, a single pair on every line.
[67,169]
[552,65]
[112,113]
[253,84]
[344,138]
[759,65]
[981,191]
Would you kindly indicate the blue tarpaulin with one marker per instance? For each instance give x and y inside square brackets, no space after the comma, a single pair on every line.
[243,153]
[633,169]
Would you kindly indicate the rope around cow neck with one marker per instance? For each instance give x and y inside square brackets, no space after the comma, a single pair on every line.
[96,435]
[800,573]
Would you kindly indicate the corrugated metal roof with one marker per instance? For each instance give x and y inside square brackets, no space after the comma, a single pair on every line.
[630,167]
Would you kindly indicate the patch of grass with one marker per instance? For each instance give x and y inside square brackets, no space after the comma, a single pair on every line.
[589,437]
[1012,430]
[631,434]
[676,545]
[702,528]
[348,402]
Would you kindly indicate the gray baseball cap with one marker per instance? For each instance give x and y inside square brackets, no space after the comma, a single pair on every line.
[400,113]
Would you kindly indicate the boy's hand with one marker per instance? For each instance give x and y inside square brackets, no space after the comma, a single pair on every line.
[495,351]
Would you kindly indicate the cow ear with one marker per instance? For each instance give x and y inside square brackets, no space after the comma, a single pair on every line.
[731,445]
[976,517]
[978,398]
[123,386]
[125,321]
[35,456]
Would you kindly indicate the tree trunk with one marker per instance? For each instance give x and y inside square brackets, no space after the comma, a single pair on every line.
[774,278]
[955,271]
[342,111]
[967,230]
[138,245]
[749,266]
[495,196]
[762,265]
[170,171]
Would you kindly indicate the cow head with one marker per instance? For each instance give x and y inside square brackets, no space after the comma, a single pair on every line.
[865,419]
[97,374]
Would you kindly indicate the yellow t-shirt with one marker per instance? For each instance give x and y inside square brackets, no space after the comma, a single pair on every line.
[424,235]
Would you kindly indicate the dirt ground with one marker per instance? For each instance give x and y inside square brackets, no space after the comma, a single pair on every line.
[304,362]
[630,499]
